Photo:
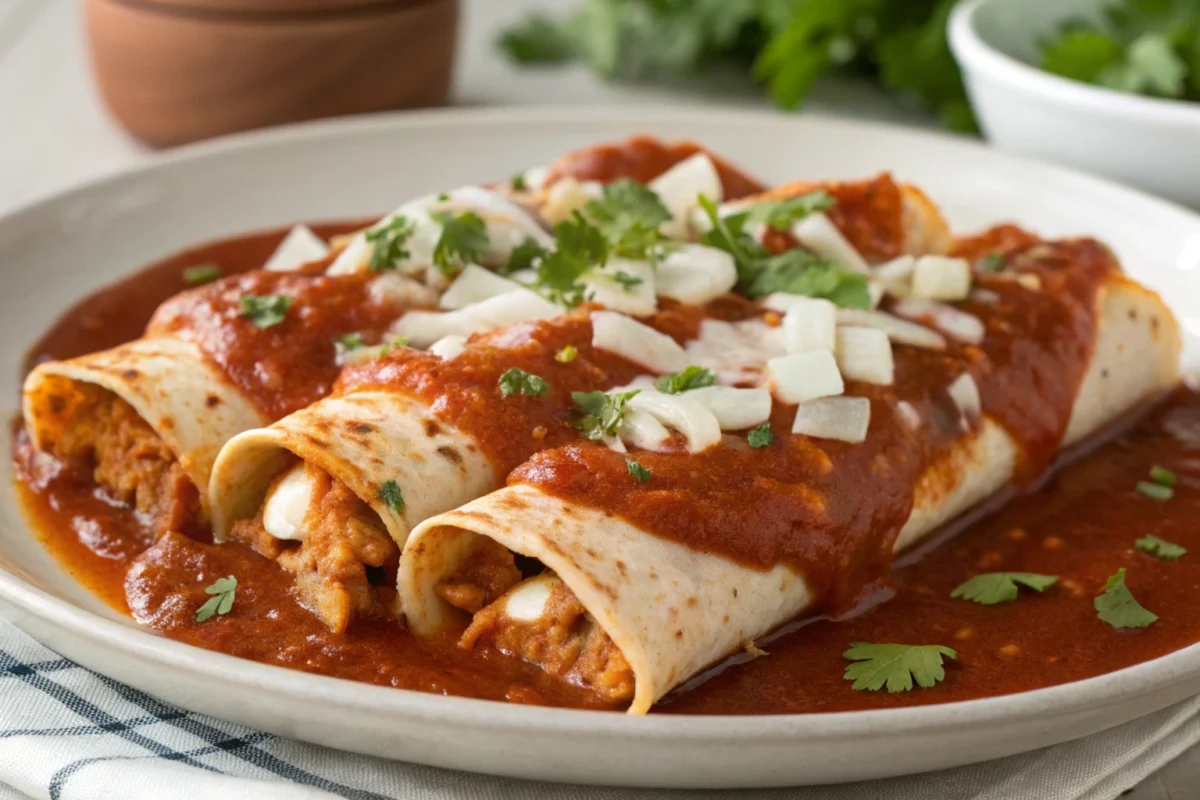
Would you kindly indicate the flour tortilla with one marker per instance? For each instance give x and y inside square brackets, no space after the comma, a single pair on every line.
[673,611]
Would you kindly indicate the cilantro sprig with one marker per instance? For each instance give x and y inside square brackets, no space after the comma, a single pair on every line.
[266,310]
[628,215]
[1118,607]
[463,240]
[896,666]
[1160,548]
[600,412]
[224,592]
[518,381]
[761,436]
[579,247]
[688,378]
[388,241]
[796,271]
[993,588]
[639,473]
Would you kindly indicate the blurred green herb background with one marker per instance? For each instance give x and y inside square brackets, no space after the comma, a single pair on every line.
[1142,46]
[785,44]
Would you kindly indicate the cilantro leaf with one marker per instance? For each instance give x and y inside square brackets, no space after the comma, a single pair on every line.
[895,665]
[602,412]
[761,436]
[1081,54]
[202,273]
[389,493]
[463,241]
[265,310]
[993,588]
[524,256]
[692,377]
[518,381]
[392,344]
[626,280]
[579,246]
[387,242]
[1160,548]
[992,262]
[1154,490]
[639,473]
[517,182]
[782,214]
[567,354]
[1117,606]
[350,341]
[1162,476]
[223,593]
[628,215]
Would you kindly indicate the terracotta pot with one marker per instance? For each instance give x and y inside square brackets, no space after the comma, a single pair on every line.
[173,71]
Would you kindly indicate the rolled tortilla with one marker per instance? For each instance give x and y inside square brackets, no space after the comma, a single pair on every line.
[671,610]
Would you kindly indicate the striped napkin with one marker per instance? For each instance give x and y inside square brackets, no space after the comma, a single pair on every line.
[70,734]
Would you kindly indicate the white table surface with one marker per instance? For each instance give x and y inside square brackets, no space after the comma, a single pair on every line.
[54,133]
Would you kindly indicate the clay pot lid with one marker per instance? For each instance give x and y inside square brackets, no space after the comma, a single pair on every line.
[268,7]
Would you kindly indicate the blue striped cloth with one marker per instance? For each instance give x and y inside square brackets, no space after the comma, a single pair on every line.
[70,734]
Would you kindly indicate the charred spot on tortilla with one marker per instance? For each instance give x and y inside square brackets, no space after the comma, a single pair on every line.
[450,454]
[212,401]
[362,427]
[431,428]
[58,404]
[130,374]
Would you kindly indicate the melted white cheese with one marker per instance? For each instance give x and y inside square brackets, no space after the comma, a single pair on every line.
[287,505]
[526,602]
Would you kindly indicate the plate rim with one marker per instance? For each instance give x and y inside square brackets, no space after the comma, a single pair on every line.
[1111,688]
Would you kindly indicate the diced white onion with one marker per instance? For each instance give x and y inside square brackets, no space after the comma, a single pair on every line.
[526,602]
[392,288]
[799,377]
[735,409]
[639,343]
[473,285]
[567,196]
[423,328]
[534,178]
[605,289]
[865,354]
[614,443]
[941,278]
[680,187]
[896,275]
[695,273]
[449,347]
[818,234]
[843,418]
[965,394]
[948,319]
[1030,281]
[287,505]
[298,248]
[908,414]
[680,412]
[898,330]
[737,352]
[642,430]
[875,293]
[809,324]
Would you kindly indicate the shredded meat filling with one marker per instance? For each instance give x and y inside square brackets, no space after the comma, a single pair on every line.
[488,573]
[129,461]
[346,566]
[564,640]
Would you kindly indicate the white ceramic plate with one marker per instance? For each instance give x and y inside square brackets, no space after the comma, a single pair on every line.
[58,250]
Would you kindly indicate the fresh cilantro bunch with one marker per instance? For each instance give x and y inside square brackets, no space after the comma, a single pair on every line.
[784,44]
[1149,47]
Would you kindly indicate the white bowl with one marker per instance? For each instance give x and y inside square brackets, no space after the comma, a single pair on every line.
[1144,141]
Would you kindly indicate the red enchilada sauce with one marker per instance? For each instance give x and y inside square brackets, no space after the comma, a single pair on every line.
[1081,526]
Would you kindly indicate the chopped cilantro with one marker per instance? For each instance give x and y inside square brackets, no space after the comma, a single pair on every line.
[524,256]
[265,310]
[202,273]
[567,354]
[1155,491]
[517,182]
[994,588]
[992,262]
[1160,548]
[579,246]
[1117,606]
[1162,476]
[626,280]
[895,665]
[223,592]
[602,412]
[387,243]
[781,214]
[464,240]
[350,341]
[692,377]
[795,271]
[390,493]
[639,473]
[518,381]
[392,344]
[629,215]
[761,436]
